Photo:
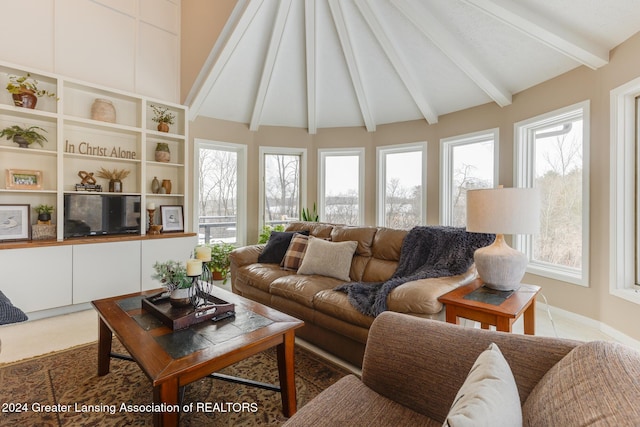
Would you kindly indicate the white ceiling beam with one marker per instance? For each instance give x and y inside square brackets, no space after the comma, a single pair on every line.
[311,56]
[230,36]
[269,63]
[381,34]
[544,30]
[352,65]
[460,54]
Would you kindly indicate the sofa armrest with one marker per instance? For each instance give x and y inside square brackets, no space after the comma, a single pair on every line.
[245,255]
[422,363]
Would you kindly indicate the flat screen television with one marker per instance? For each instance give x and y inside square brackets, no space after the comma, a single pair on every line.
[101,214]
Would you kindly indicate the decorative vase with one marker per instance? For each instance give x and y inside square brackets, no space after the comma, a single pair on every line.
[163,154]
[115,186]
[166,184]
[218,275]
[155,185]
[163,127]
[180,297]
[26,99]
[103,110]
[44,217]
[22,143]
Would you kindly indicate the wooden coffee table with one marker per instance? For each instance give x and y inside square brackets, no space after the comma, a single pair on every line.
[499,312]
[172,359]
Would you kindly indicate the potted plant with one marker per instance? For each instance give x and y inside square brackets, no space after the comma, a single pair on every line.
[173,276]
[25,92]
[163,117]
[220,263]
[308,215]
[266,232]
[115,178]
[44,213]
[24,137]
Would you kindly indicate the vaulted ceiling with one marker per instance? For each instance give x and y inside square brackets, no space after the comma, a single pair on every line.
[333,63]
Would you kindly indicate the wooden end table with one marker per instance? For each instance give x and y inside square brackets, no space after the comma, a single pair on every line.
[172,359]
[501,313]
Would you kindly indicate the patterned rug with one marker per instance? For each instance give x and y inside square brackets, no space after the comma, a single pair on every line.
[63,389]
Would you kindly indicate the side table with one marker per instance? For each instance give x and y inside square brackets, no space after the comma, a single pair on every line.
[500,312]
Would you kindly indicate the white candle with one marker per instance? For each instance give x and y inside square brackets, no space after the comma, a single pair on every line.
[203,253]
[194,267]
[151,206]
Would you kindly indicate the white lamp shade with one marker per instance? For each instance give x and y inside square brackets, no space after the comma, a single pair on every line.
[503,210]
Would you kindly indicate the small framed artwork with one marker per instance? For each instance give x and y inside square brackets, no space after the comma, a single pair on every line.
[15,221]
[172,218]
[22,179]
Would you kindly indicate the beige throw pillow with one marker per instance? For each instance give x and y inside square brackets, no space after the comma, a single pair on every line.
[331,259]
[489,395]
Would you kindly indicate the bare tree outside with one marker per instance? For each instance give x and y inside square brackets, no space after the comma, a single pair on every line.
[341,199]
[403,202]
[282,187]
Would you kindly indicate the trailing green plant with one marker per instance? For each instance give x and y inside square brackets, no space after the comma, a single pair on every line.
[162,115]
[266,232]
[220,261]
[20,84]
[44,209]
[311,216]
[30,134]
[172,275]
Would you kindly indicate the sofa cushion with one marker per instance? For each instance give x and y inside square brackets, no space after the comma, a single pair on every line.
[302,289]
[336,304]
[597,383]
[276,247]
[331,259]
[260,276]
[321,230]
[488,396]
[295,252]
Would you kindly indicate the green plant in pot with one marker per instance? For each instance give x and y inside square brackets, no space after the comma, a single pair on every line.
[25,91]
[173,276]
[44,212]
[220,263]
[24,137]
[266,232]
[163,117]
[310,215]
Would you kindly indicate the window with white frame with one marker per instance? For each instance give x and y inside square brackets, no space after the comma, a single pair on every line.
[624,257]
[220,185]
[552,155]
[340,186]
[467,162]
[283,180]
[401,187]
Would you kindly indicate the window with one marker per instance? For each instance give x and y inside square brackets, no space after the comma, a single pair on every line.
[340,185]
[552,154]
[624,259]
[467,163]
[402,185]
[283,177]
[220,187]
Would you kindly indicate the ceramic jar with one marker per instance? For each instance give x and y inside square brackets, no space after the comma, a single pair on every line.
[166,184]
[163,127]
[103,110]
[155,185]
[163,154]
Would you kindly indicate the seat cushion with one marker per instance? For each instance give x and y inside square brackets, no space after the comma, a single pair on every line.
[596,384]
[350,403]
[302,289]
[336,304]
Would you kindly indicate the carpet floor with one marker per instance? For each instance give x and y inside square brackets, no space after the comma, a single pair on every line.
[63,389]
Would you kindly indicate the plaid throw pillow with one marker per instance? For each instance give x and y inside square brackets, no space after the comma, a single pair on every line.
[295,253]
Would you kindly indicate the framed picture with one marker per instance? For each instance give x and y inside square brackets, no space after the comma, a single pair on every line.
[172,218]
[15,221]
[22,179]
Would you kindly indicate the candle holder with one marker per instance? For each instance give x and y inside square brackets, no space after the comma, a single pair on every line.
[200,291]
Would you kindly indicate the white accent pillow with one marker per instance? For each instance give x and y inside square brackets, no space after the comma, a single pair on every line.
[331,259]
[489,395]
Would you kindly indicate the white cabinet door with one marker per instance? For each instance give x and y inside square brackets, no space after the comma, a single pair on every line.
[104,270]
[37,278]
[153,250]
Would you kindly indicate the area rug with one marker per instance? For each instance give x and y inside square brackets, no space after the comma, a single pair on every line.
[63,389]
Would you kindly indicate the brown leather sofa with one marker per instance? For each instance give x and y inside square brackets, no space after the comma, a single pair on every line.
[331,322]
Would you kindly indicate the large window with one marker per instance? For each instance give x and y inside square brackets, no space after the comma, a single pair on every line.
[467,162]
[552,155]
[401,201]
[220,182]
[340,186]
[282,182]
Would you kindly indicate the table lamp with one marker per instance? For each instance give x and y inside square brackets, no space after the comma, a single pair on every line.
[502,211]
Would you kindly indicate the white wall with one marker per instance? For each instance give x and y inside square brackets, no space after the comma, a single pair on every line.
[132,45]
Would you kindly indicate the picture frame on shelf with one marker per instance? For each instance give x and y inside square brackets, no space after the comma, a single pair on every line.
[15,222]
[23,179]
[172,218]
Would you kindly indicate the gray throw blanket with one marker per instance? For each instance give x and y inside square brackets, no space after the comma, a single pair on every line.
[432,251]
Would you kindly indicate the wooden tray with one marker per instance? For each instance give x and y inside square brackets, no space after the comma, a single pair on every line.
[183,317]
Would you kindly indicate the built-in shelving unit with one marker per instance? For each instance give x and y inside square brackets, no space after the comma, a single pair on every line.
[76,142]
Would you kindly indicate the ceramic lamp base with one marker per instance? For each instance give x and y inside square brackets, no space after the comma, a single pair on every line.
[500,266]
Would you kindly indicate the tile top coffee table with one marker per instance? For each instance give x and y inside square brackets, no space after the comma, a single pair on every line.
[174,358]
[500,309]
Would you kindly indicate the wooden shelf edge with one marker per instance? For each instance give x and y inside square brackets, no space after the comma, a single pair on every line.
[23,244]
